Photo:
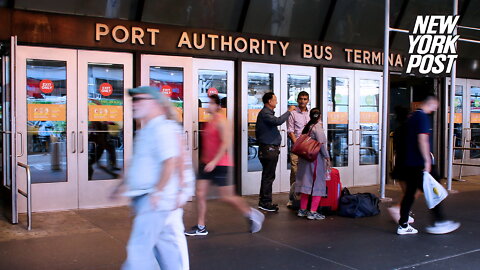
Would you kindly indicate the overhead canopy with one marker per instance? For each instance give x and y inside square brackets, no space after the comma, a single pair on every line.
[357,22]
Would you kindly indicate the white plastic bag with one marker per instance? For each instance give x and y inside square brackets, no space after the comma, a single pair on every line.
[433,190]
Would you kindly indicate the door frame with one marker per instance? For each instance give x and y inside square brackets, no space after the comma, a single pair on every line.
[286,70]
[148,60]
[354,174]
[66,193]
[95,193]
[251,180]
[347,172]
[217,65]
[363,173]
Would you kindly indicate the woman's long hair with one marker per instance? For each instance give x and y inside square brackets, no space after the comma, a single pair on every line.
[314,118]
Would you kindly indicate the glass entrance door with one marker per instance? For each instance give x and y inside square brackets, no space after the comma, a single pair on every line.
[173,77]
[294,79]
[72,132]
[210,77]
[286,82]
[352,120]
[46,123]
[466,124]
[104,124]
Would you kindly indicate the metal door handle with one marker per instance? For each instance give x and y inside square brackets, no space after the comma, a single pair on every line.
[21,144]
[284,138]
[350,138]
[359,133]
[186,138]
[195,142]
[80,136]
[74,147]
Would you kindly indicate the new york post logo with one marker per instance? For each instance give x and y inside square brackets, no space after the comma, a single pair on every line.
[432,45]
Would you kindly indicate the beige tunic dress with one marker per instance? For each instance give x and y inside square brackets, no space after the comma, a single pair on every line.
[305,179]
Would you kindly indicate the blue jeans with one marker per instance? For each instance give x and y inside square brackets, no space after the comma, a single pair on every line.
[157,240]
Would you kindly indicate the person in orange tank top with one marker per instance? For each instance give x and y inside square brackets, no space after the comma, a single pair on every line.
[215,163]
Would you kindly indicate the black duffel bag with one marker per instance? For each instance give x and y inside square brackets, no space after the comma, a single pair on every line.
[358,205]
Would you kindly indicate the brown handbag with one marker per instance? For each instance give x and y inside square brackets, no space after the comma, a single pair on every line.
[306,147]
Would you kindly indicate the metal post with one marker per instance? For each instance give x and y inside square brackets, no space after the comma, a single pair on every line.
[452,109]
[386,51]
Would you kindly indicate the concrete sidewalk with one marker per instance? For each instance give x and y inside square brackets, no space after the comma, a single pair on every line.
[95,239]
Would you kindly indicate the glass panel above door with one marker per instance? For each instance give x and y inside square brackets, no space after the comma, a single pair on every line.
[47,120]
[369,121]
[258,85]
[337,120]
[105,121]
[170,82]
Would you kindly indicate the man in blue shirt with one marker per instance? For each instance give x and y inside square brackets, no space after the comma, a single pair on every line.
[269,140]
[419,160]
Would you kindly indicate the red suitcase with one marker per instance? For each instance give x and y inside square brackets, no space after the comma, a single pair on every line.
[334,187]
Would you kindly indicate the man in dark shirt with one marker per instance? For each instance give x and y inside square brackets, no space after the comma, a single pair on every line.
[419,160]
[269,140]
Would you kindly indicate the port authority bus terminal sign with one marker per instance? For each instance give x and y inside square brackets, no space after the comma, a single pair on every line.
[246,47]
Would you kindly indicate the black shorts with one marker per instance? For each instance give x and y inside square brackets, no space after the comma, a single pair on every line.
[219,175]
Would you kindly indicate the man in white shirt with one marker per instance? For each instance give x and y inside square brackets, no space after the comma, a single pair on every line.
[155,180]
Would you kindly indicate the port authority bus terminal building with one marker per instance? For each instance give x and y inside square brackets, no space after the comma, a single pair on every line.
[66,114]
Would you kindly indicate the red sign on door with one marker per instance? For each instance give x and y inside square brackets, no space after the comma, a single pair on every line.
[166,90]
[212,91]
[46,86]
[105,89]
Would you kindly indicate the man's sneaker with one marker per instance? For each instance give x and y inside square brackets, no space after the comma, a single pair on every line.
[289,204]
[302,213]
[395,214]
[443,227]
[407,230]
[256,220]
[197,231]
[269,207]
[315,216]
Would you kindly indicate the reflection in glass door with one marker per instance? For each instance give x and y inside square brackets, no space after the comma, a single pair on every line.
[257,79]
[104,137]
[352,120]
[211,77]
[172,76]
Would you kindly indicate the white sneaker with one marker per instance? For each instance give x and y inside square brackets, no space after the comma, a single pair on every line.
[443,227]
[408,230]
[395,214]
[256,220]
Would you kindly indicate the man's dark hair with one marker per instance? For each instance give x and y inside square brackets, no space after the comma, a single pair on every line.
[303,94]
[215,98]
[266,98]
[428,97]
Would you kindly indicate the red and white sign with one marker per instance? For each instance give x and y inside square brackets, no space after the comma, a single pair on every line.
[166,90]
[46,86]
[105,89]
[212,91]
